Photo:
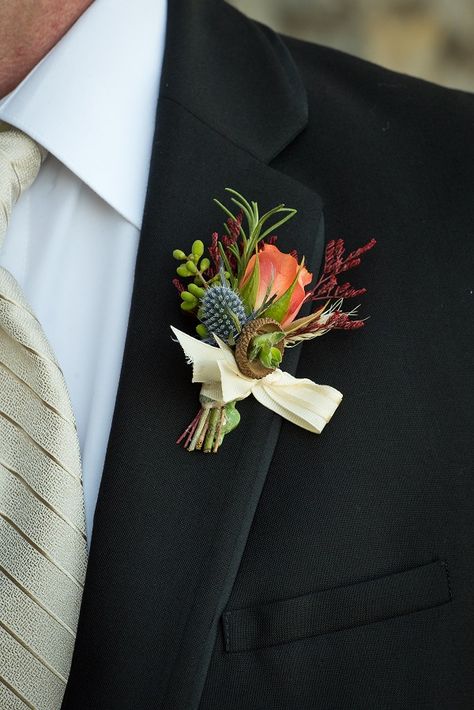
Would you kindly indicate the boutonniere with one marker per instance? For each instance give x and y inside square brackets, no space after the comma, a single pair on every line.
[246,295]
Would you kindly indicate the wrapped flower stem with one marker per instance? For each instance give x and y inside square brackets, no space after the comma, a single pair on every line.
[208,428]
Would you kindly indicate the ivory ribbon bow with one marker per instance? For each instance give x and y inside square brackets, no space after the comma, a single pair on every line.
[299,400]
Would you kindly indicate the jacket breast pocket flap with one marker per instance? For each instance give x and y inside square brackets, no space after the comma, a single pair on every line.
[337,608]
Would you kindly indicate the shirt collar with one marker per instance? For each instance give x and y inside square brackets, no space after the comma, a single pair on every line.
[91,101]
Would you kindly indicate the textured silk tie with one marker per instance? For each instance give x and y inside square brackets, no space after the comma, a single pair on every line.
[43,551]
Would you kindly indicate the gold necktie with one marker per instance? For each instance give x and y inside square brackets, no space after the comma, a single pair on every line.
[43,551]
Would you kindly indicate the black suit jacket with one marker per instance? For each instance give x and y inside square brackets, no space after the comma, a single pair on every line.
[293,571]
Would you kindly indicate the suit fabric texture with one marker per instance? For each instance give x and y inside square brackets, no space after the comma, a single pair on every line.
[292,571]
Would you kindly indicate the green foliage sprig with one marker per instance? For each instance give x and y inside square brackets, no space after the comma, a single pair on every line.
[255,231]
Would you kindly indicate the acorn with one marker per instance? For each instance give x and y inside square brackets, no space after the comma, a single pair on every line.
[259,326]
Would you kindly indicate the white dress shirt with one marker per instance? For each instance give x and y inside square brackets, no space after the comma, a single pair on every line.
[73,237]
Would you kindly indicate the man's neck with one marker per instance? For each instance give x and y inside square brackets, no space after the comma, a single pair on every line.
[28,30]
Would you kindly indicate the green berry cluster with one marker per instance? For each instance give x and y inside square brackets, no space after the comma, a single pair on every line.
[194,267]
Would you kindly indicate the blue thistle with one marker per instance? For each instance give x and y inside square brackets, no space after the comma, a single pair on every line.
[221,309]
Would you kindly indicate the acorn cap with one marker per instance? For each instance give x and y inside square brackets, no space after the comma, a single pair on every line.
[259,326]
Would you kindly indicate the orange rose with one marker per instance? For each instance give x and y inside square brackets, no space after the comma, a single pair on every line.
[287,278]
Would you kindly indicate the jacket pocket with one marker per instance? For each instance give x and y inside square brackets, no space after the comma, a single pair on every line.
[337,608]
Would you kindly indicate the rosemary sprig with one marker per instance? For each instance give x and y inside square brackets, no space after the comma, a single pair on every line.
[255,224]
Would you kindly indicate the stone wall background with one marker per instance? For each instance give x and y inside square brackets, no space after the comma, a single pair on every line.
[431,39]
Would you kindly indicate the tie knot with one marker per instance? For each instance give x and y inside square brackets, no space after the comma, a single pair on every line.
[20,162]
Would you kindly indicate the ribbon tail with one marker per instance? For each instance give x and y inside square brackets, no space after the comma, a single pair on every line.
[203,357]
[302,402]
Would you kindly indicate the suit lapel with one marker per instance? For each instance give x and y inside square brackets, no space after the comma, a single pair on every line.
[170,527]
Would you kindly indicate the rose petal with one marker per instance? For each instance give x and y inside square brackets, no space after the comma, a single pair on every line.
[280,270]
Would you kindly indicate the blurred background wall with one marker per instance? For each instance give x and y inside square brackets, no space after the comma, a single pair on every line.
[431,39]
